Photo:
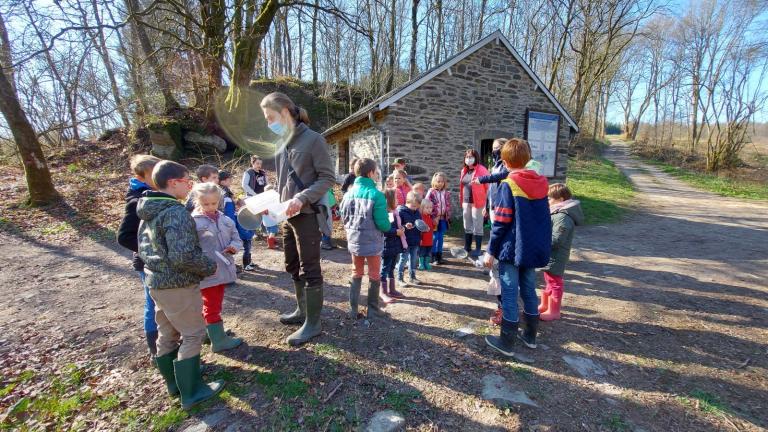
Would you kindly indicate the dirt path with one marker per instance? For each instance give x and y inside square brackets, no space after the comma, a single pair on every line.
[668,309]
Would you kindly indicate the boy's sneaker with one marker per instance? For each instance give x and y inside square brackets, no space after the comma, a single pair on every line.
[401,282]
[250,267]
[414,281]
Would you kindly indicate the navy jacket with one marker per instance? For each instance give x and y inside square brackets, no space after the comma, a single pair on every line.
[412,236]
[127,234]
[498,173]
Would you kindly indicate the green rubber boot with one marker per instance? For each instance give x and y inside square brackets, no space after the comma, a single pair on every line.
[354,296]
[164,364]
[312,326]
[422,266]
[374,311]
[191,386]
[219,339]
[297,316]
[427,263]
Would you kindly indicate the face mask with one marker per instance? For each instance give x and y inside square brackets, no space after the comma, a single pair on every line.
[277,128]
[469,161]
[496,154]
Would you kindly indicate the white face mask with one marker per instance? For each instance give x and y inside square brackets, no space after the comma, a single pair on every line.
[469,161]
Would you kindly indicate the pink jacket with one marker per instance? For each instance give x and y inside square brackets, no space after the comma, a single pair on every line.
[479,191]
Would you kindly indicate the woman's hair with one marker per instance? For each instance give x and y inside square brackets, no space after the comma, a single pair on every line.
[499,141]
[474,154]
[402,174]
[202,189]
[436,176]
[277,101]
[389,194]
[559,191]
[516,152]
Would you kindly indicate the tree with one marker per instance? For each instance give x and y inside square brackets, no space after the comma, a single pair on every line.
[36,173]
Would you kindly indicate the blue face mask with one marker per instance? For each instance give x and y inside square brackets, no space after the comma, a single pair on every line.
[277,128]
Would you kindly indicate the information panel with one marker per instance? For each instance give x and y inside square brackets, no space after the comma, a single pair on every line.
[542,136]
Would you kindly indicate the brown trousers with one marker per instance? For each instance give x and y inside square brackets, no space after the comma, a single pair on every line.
[179,315]
[301,241]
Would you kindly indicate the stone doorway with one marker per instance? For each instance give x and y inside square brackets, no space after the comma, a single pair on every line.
[486,148]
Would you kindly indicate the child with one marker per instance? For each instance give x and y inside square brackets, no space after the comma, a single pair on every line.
[254,179]
[364,212]
[174,265]
[326,241]
[520,240]
[230,207]
[205,174]
[349,179]
[142,166]
[220,242]
[425,247]
[271,230]
[566,214]
[402,186]
[389,183]
[420,189]
[409,214]
[440,197]
[394,245]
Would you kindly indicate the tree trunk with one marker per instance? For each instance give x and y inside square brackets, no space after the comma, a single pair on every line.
[39,183]
[413,69]
[392,49]
[170,102]
[440,28]
[105,57]
[314,43]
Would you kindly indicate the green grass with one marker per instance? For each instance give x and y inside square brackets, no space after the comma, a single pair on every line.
[172,417]
[108,403]
[720,185]
[402,401]
[707,402]
[605,193]
[616,423]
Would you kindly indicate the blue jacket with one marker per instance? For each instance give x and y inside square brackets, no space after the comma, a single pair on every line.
[412,236]
[522,229]
[393,245]
[498,173]
[229,211]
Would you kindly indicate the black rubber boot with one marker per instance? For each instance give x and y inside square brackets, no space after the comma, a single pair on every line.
[219,339]
[354,296]
[151,342]
[440,258]
[478,245]
[468,242]
[505,342]
[191,386]
[374,311]
[312,326]
[528,335]
[297,316]
[164,364]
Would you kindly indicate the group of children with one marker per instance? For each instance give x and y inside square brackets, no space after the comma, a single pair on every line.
[190,250]
[533,227]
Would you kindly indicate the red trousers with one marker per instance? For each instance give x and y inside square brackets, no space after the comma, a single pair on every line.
[554,285]
[374,266]
[213,297]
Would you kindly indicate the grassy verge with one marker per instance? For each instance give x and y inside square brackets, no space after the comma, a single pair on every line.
[720,185]
[605,193]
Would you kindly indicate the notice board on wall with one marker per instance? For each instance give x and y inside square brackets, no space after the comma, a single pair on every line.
[542,136]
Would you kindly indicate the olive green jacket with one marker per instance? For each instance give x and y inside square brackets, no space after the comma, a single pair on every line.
[565,217]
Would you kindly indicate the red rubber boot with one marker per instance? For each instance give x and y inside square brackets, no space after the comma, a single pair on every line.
[553,311]
[544,305]
[272,242]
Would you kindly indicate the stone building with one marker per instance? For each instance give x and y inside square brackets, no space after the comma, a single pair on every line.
[485,92]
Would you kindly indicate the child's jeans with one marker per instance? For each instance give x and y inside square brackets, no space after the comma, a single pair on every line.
[410,256]
[438,236]
[425,251]
[247,251]
[388,267]
[213,297]
[374,267]
[554,285]
[150,325]
[516,280]
[179,323]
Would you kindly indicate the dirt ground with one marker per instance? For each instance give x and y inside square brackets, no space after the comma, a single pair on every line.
[671,306]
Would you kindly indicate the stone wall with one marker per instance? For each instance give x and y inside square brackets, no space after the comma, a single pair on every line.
[485,96]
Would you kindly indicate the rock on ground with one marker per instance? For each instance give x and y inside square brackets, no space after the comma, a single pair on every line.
[498,390]
[385,421]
